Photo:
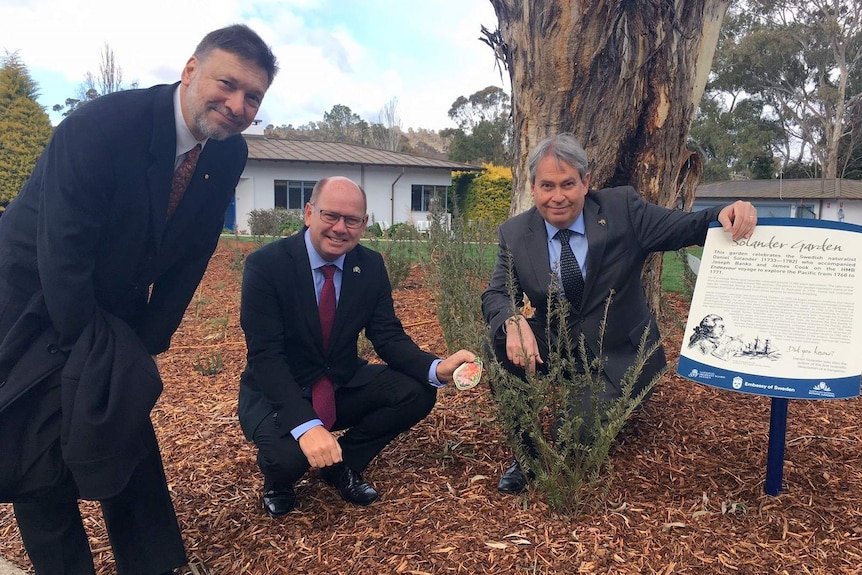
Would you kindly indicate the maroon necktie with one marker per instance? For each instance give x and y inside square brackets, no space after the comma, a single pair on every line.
[322,392]
[182,177]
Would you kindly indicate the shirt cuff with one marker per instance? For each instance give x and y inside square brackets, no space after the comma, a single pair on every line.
[297,431]
[432,375]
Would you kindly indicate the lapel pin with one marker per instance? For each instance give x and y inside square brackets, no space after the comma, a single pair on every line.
[602,222]
[206,176]
[356,270]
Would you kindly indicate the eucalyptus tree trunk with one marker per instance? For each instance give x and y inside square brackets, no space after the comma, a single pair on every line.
[623,76]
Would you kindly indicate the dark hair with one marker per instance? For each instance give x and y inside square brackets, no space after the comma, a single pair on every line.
[564,148]
[242,41]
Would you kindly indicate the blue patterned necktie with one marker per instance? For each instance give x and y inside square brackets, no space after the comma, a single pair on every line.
[570,271]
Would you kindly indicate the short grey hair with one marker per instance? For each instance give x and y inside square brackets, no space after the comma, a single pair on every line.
[565,148]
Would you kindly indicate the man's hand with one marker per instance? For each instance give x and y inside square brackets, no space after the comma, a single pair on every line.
[739,218]
[447,367]
[320,447]
[521,346]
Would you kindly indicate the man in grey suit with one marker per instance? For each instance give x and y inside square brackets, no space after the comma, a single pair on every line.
[100,254]
[610,234]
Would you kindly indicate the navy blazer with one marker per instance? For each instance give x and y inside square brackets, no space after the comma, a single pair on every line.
[279,315]
[89,230]
[622,229]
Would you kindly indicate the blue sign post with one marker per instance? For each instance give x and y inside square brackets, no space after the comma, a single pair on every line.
[777,440]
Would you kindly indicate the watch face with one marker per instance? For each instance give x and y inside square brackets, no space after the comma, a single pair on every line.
[467,375]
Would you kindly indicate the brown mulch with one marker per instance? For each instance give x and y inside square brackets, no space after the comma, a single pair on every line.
[685,493]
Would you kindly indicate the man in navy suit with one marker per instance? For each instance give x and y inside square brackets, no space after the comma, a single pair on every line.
[612,231]
[288,354]
[91,241]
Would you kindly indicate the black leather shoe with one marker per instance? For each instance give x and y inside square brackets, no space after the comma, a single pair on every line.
[278,502]
[514,480]
[351,485]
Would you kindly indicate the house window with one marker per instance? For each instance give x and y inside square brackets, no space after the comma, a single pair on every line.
[292,194]
[423,197]
[805,211]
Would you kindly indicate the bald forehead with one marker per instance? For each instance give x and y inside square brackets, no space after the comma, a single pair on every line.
[341,188]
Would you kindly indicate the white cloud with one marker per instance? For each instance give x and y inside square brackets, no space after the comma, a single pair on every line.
[359,53]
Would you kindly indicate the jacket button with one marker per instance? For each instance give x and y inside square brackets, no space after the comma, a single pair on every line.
[53,348]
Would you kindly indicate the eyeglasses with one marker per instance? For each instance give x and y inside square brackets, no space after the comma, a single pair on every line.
[332,218]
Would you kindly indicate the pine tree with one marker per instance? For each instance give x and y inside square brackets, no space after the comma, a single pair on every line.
[25,127]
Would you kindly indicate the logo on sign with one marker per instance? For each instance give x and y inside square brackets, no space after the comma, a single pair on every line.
[737,382]
[822,390]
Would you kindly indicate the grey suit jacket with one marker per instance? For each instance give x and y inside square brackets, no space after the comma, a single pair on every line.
[622,230]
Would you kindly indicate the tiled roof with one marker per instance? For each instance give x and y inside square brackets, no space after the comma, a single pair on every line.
[262,148]
[782,189]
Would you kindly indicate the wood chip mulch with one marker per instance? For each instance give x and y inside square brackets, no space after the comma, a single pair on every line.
[685,492]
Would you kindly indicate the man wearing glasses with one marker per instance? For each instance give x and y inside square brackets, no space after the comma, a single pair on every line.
[305,300]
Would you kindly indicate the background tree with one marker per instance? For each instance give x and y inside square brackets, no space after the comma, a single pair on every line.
[484,131]
[799,57]
[340,124]
[107,81]
[624,77]
[735,140]
[386,132]
[24,127]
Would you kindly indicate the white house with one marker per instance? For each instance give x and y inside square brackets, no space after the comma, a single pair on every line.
[837,200]
[282,173]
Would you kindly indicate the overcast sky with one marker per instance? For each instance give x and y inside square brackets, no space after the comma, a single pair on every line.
[359,53]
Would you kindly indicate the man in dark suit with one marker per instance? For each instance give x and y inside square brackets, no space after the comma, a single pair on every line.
[106,244]
[611,233]
[304,378]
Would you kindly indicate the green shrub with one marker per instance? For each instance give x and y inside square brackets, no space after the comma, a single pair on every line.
[399,251]
[275,221]
[460,266]
[570,445]
[209,363]
[489,196]
[373,231]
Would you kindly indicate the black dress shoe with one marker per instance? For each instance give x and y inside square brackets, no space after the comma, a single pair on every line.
[278,502]
[351,485]
[514,480]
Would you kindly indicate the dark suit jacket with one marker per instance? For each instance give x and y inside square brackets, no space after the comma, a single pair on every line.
[279,315]
[622,230]
[87,233]
[88,229]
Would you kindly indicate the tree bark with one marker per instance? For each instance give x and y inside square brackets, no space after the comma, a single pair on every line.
[623,76]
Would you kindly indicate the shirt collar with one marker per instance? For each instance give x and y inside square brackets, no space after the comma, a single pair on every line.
[577,227]
[314,258]
[185,139]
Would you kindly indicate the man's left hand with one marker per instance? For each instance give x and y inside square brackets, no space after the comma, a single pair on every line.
[739,218]
[447,367]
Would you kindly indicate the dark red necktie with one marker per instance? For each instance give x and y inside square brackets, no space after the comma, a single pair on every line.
[322,392]
[182,177]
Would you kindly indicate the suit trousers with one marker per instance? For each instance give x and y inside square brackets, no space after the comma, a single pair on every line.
[140,521]
[373,415]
